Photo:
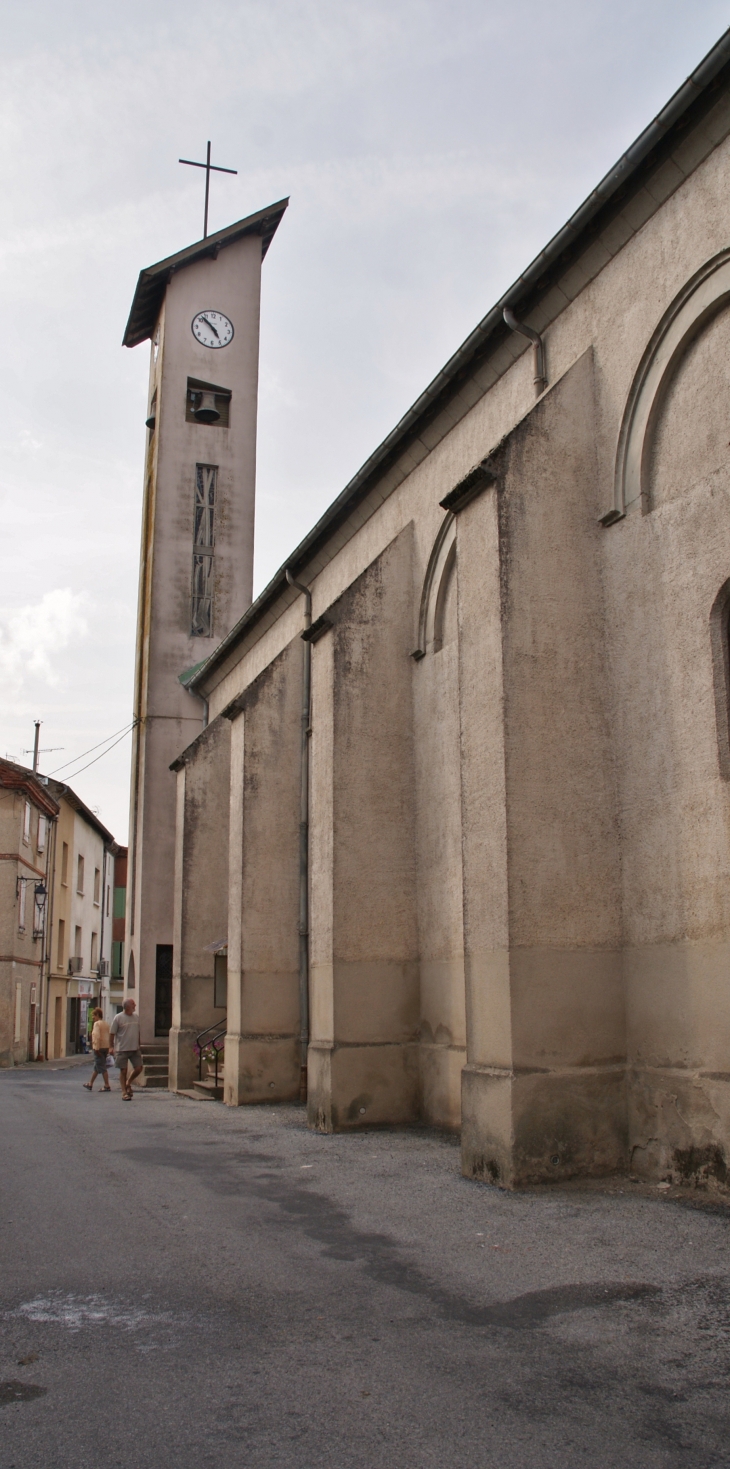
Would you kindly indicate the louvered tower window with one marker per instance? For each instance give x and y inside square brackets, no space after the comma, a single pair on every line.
[206,485]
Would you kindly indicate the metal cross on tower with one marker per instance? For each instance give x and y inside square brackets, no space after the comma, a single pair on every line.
[209,167]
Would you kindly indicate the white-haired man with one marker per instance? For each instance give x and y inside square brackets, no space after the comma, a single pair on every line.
[124,1039]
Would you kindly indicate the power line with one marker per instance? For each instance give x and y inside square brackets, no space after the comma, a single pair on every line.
[91,749]
[122,736]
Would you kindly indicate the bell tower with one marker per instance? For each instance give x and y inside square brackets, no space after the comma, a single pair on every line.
[200,311]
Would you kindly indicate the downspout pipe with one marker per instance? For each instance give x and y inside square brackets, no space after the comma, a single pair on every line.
[514,325]
[304,842]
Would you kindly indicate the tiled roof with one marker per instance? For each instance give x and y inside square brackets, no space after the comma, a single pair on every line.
[17,778]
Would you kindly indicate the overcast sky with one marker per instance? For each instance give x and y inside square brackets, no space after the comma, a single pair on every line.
[430,148]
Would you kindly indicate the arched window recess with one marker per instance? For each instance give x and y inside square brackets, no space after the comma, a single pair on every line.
[435,585]
[720,644]
[699,300]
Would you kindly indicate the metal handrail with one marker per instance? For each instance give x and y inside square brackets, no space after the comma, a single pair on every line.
[214,1032]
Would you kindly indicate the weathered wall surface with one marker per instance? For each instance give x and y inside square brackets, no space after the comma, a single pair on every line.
[201,892]
[262,1045]
[556,1056]
[365,997]
[568,1022]
[442,1050]
[519,843]
[170,716]
[666,568]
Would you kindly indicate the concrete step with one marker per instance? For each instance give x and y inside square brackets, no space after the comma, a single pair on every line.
[208,1088]
[156,1057]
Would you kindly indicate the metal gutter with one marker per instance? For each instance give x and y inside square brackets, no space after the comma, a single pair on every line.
[534,282]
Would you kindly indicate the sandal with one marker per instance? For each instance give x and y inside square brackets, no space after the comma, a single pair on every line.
[126,1096]
[88,1087]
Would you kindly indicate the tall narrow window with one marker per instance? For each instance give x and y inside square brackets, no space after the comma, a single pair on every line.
[21,904]
[41,842]
[201,611]
[64,864]
[77,944]
[80,875]
[61,943]
[26,822]
[97,887]
[94,951]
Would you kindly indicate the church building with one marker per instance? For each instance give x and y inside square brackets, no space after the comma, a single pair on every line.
[453,793]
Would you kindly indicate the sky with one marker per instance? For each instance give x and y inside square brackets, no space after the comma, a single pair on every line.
[430,149]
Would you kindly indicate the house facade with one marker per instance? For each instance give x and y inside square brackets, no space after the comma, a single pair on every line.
[79,946]
[28,816]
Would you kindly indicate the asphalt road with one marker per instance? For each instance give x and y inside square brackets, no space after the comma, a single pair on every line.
[187,1285]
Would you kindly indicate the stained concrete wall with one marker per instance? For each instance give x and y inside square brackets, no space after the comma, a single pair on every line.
[438,835]
[200,894]
[563,1067]
[262,1040]
[589,851]
[666,567]
[170,716]
[363,1056]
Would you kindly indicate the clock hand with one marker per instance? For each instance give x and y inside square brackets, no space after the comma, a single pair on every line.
[210,324]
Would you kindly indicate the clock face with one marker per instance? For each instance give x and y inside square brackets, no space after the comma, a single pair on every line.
[212,329]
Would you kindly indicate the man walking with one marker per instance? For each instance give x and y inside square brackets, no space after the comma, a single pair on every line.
[124,1036]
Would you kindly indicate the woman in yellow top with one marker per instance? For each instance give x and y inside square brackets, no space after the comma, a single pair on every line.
[100,1047]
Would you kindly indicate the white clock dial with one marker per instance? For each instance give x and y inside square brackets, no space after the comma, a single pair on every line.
[212,329]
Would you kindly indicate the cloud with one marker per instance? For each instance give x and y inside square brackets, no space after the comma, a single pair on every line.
[32,636]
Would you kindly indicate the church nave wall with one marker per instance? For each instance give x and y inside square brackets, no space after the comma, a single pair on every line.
[363,1056]
[262,1040]
[439,885]
[201,891]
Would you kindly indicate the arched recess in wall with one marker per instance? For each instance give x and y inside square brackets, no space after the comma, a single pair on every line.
[131,982]
[442,595]
[440,569]
[720,644]
[695,306]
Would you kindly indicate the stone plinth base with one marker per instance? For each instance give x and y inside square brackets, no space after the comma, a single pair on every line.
[183,1061]
[539,1127]
[361,1086]
[261,1069]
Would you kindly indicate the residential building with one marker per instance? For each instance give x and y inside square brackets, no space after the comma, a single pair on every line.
[79,923]
[28,817]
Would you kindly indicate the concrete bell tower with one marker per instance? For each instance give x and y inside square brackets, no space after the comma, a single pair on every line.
[200,310]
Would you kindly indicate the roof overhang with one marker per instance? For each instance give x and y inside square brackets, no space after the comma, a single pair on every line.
[153,281]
